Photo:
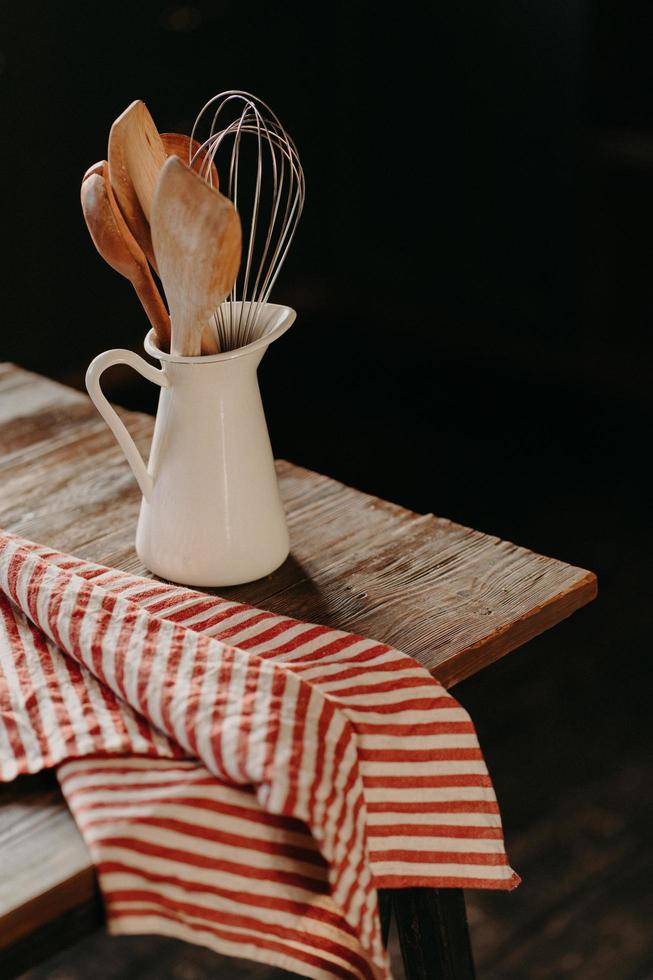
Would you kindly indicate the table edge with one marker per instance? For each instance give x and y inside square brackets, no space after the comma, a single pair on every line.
[520,631]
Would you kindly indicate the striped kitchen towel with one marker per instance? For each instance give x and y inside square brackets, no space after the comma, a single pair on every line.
[242,780]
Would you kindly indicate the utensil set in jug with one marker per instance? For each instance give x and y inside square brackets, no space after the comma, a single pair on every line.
[157,205]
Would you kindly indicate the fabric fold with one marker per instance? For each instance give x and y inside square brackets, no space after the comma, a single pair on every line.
[289,722]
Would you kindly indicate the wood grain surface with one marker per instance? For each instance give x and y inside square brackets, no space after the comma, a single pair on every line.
[454,598]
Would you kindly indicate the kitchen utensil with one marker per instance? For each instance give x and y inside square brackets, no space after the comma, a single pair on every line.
[192,153]
[262,175]
[136,155]
[117,246]
[197,241]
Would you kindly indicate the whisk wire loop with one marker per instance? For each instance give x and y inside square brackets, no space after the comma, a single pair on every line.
[242,124]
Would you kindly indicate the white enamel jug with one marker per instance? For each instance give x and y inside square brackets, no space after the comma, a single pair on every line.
[211,513]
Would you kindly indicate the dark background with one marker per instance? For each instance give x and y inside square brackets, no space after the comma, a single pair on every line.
[472,280]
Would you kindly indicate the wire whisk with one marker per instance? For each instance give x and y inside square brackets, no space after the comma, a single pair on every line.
[260,171]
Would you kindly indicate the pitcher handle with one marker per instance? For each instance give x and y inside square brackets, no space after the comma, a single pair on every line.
[95,370]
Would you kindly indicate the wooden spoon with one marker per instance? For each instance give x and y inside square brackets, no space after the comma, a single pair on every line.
[180,145]
[197,239]
[117,246]
[136,155]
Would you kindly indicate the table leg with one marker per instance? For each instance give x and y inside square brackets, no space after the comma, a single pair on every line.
[385,913]
[432,928]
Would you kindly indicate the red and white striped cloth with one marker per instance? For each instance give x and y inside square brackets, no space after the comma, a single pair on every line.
[242,780]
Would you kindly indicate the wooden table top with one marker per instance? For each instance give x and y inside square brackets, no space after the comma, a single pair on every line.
[454,598]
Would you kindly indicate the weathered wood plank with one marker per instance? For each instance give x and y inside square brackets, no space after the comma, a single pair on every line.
[452,597]
[45,869]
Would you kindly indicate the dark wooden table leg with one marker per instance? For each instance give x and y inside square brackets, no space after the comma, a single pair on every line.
[385,914]
[432,927]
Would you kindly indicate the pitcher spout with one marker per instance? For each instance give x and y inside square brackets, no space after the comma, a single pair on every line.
[262,322]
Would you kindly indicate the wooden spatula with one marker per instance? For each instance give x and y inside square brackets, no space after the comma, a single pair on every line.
[118,247]
[136,155]
[197,241]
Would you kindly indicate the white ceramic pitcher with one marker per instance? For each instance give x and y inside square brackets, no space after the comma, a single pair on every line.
[211,512]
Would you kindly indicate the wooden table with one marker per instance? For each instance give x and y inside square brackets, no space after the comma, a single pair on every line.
[453,598]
